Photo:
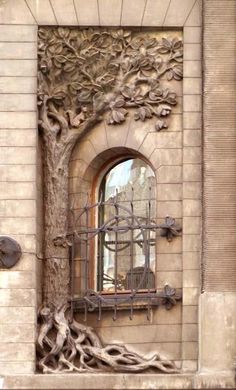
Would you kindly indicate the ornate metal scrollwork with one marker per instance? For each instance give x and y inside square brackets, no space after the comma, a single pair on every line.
[10,252]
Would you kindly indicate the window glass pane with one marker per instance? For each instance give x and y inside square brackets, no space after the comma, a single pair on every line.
[126,247]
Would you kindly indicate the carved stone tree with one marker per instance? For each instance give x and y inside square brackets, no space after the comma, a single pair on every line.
[86,76]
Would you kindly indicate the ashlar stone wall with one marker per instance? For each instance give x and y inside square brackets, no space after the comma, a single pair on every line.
[18,160]
[20,193]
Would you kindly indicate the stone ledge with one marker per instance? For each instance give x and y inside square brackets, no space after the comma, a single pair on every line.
[121,381]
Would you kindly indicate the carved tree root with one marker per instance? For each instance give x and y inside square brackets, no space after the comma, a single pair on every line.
[65,346]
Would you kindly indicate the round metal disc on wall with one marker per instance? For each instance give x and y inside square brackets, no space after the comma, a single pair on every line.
[10,252]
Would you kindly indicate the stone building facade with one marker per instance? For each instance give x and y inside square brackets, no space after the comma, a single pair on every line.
[194,162]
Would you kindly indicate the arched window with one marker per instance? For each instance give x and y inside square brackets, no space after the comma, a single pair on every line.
[113,251]
[125,251]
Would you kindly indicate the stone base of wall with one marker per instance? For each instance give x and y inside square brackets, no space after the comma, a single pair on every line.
[120,381]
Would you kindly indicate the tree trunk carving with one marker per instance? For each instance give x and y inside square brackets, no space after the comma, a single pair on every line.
[86,76]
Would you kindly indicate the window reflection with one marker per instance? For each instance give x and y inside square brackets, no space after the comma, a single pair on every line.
[121,253]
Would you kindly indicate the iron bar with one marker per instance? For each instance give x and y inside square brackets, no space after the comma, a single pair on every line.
[122,221]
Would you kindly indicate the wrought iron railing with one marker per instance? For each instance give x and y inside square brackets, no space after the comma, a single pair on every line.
[137,289]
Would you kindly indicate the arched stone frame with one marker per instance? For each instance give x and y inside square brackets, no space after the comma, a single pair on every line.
[85,184]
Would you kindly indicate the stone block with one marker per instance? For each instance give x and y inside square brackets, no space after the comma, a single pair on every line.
[16,279]
[18,120]
[192,172]
[192,190]
[169,174]
[17,315]
[215,380]
[107,16]
[175,122]
[105,381]
[18,352]
[190,297]
[148,145]
[191,260]
[137,134]
[17,138]
[178,12]
[192,137]
[17,155]
[117,135]
[13,225]
[192,34]
[18,67]
[13,33]
[217,331]
[190,315]
[192,51]
[191,278]
[17,102]
[192,155]
[17,297]
[192,85]
[192,120]
[195,17]
[167,317]
[17,190]
[192,208]
[132,13]
[191,243]
[192,69]
[169,262]
[24,173]
[192,103]
[166,157]
[189,350]
[43,14]
[99,133]
[15,12]
[174,247]
[172,208]
[22,333]
[140,334]
[172,278]
[168,140]
[18,50]
[85,150]
[169,191]
[77,168]
[65,12]
[190,332]
[155,12]
[87,12]
[192,225]
[7,368]
[18,85]
[189,365]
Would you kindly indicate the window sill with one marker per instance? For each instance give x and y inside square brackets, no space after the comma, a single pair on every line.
[123,301]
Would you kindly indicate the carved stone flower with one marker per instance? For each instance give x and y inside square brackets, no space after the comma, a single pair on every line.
[132,94]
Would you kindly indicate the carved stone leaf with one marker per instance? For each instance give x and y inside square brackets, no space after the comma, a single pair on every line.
[85,62]
[160,125]
[178,72]
[143,113]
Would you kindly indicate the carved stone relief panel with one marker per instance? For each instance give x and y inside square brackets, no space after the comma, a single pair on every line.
[87,77]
